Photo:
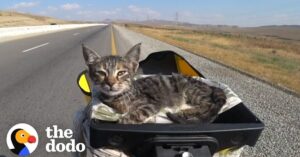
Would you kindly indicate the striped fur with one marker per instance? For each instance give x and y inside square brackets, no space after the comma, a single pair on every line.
[143,98]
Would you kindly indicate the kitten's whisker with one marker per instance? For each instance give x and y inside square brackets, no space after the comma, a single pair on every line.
[128,96]
[123,99]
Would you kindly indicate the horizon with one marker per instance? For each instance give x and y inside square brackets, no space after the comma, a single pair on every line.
[230,13]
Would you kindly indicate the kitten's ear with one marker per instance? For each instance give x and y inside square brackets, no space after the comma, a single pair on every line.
[133,55]
[89,55]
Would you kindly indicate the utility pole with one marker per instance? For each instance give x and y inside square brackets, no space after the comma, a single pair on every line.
[177,17]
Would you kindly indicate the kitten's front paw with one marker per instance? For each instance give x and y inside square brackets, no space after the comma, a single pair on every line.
[131,119]
[126,120]
[176,117]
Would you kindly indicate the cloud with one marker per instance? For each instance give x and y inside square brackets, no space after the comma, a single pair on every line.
[44,13]
[134,8]
[25,5]
[140,11]
[52,8]
[110,12]
[70,6]
[84,12]
[96,14]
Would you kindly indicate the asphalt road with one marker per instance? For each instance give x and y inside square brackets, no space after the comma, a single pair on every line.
[38,87]
[38,81]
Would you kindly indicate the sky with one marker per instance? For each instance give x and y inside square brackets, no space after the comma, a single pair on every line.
[215,12]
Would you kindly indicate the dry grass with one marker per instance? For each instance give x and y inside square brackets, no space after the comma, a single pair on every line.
[10,19]
[275,60]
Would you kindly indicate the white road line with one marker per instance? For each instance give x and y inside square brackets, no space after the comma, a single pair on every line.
[35,47]
[76,34]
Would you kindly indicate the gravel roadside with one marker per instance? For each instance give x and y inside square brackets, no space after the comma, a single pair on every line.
[277,109]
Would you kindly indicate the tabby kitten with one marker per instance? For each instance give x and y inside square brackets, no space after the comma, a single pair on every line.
[140,99]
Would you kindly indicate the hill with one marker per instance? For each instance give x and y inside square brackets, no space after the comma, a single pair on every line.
[288,32]
[11,18]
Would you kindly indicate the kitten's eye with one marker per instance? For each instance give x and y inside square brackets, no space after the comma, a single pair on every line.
[121,73]
[101,73]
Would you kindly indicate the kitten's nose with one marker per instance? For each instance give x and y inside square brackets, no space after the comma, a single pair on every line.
[110,84]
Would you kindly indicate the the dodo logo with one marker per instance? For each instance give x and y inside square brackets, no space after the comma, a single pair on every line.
[22,139]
